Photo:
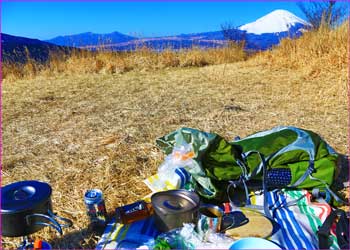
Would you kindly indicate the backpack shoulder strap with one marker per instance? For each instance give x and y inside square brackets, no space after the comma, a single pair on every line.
[342,230]
[246,177]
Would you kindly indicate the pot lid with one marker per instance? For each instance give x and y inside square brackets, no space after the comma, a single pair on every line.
[23,195]
[175,201]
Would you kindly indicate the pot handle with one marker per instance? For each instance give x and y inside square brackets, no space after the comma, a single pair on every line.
[52,222]
[52,218]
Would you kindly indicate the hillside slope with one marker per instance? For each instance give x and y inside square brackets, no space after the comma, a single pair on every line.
[80,126]
[98,131]
[17,49]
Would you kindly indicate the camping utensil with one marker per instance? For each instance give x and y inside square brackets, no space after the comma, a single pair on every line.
[232,220]
[210,219]
[213,219]
[26,208]
[173,208]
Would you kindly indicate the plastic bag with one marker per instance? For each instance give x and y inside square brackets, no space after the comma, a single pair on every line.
[170,240]
[213,240]
[187,238]
[172,173]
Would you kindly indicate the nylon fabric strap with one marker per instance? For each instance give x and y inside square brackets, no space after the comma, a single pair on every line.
[232,184]
[342,230]
[243,168]
[246,192]
[242,179]
[264,185]
[307,173]
[262,166]
[257,169]
[288,204]
[235,184]
[316,193]
[324,230]
[336,197]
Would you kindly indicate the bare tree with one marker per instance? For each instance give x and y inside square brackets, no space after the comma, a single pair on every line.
[232,34]
[330,13]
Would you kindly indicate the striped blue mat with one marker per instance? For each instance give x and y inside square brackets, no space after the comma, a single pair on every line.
[298,223]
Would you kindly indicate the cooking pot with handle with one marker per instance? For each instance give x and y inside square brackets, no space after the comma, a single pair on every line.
[26,208]
[172,208]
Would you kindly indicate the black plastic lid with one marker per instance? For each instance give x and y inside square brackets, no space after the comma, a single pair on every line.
[23,195]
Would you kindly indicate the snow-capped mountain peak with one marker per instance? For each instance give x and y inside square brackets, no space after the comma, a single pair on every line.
[276,21]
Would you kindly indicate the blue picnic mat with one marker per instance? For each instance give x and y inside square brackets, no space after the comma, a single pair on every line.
[133,235]
[298,223]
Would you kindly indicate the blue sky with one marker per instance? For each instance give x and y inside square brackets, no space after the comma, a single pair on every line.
[45,20]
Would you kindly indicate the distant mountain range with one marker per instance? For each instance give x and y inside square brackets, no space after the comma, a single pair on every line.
[91,39]
[261,34]
[119,41]
[17,49]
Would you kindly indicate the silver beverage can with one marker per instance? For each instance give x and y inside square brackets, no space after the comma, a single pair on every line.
[95,206]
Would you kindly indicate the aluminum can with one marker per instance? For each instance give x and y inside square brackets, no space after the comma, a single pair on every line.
[95,206]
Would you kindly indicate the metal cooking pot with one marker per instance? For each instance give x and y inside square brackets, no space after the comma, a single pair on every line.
[26,208]
[173,208]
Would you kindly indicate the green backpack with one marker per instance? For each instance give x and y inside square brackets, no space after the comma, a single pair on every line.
[277,158]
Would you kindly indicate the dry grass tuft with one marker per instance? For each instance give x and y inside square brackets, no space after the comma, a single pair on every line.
[106,62]
[85,126]
[323,48]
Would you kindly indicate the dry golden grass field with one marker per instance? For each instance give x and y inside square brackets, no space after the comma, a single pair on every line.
[78,131]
